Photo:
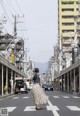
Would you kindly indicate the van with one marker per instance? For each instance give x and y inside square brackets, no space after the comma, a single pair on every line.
[20,85]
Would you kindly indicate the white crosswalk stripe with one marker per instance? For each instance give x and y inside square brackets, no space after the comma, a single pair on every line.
[73,108]
[75,97]
[25,97]
[30,108]
[54,107]
[66,97]
[10,109]
[56,97]
[15,98]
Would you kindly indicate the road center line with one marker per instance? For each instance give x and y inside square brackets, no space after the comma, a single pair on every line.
[53,108]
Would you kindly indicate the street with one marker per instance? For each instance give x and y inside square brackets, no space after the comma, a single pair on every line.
[59,104]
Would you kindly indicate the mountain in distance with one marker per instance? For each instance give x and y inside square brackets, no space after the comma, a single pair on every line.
[42,66]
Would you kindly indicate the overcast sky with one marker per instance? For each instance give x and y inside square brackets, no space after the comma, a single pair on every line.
[40,25]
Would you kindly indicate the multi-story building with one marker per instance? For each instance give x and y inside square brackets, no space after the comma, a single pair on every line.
[50,70]
[56,61]
[68,26]
[5,40]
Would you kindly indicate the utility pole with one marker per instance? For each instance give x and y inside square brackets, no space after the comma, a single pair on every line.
[15,36]
[16,21]
[15,29]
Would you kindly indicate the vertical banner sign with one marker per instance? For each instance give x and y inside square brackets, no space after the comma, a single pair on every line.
[12,58]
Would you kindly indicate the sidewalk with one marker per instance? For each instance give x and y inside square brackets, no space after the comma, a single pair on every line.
[3,96]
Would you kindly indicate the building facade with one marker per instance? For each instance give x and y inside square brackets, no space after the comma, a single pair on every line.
[68,29]
[6,41]
[56,61]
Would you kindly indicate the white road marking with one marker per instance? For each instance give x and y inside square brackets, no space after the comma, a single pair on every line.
[53,108]
[49,108]
[10,109]
[75,97]
[73,108]
[25,97]
[56,96]
[15,97]
[66,97]
[30,108]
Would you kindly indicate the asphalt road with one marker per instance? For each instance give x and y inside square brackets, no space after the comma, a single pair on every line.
[59,104]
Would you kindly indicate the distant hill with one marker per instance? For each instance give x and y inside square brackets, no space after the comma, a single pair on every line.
[42,66]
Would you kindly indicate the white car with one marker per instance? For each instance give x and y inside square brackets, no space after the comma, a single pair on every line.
[29,86]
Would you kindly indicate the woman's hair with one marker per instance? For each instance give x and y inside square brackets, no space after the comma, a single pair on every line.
[35,76]
[36,70]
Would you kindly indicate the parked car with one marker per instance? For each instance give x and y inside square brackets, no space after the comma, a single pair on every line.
[48,86]
[29,85]
[20,86]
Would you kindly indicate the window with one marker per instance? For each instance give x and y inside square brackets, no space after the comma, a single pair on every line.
[67,2]
[67,24]
[67,9]
[65,31]
[77,2]
[68,16]
[78,23]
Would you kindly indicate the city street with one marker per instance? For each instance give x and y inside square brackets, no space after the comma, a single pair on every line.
[59,104]
[40,46]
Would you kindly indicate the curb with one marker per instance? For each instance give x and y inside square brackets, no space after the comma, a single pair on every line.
[4,96]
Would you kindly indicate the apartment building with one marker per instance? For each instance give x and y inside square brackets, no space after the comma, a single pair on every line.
[68,26]
[5,40]
[56,61]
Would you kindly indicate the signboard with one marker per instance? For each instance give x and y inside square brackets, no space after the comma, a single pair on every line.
[12,58]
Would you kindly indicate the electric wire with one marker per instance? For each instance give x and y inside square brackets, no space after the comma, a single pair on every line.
[8,8]
[5,11]
[19,8]
[11,11]
[13,7]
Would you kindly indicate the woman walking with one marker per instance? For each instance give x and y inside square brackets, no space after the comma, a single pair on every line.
[38,93]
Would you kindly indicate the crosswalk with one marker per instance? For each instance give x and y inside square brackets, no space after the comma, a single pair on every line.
[55,109]
[57,97]
[48,108]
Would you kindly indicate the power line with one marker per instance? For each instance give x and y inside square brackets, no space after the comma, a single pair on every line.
[8,8]
[13,7]
[19,7]
[5,11]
